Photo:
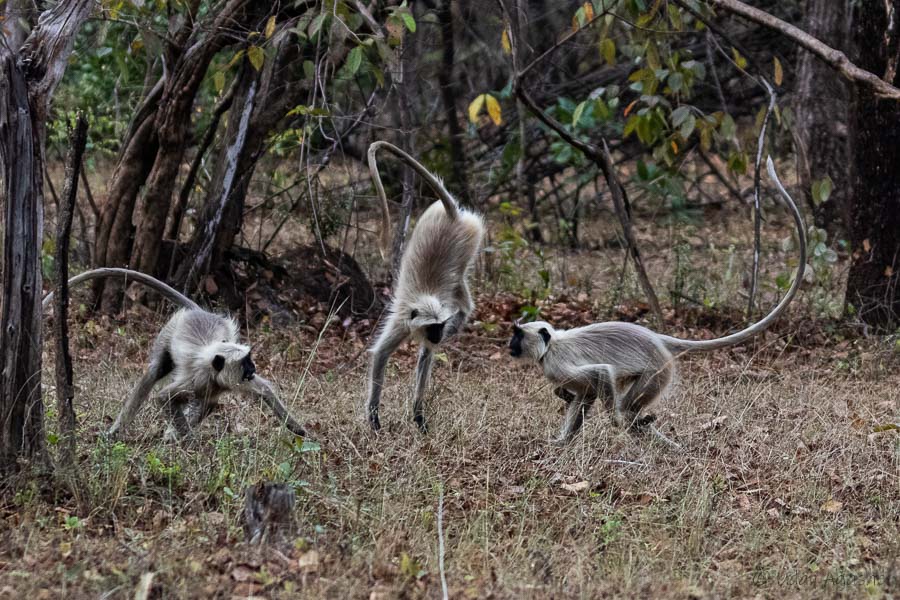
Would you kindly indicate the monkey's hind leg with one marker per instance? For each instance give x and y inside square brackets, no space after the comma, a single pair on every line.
[644,391]
[423,374]
[388,341]
[649,386]
[160,366]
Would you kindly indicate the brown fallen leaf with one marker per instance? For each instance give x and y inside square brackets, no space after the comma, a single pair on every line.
[576,487]
[243,573]
[714,424]
[142,592]
[308,562]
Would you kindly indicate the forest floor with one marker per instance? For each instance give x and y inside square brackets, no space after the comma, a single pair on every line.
[789,484]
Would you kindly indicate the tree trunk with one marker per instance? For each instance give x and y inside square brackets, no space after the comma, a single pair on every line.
[448,99]
[261,100]
[28,79]
[65,391]
[21,411]
[872,285]
[115,232]
[131,233]
[820,105]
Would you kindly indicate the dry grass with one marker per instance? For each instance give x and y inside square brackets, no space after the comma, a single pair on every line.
[783,491]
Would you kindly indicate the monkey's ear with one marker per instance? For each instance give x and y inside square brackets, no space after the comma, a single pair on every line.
[413,314]
[545,335]
[218,362]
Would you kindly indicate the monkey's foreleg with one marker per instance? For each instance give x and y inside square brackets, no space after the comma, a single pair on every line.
[665,440]
[390,338]
[455,323]
[595,381]
[574,419]
[564,394]
[263,388]
[423,374]
[181,406]
[138,396]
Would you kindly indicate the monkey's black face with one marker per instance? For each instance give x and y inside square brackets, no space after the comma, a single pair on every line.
[434,333]
[248,369]
[515,344]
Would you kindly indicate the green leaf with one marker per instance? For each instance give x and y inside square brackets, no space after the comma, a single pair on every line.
[316,24]
[642,171]
[409,21]
[727,128]
[687,128]
[739,59]
[821,190]
[256,56]
[354,59]
[630,126]
[737,163]
[608,51]
[680,115]
[308,446]
[579,110]
[676,82]
[309,69]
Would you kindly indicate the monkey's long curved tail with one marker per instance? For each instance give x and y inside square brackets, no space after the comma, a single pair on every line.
[151,282]
[680,345]
[434,182]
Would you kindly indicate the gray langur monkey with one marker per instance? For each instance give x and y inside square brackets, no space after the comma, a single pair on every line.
[431,298]
[626,365]
[200,350]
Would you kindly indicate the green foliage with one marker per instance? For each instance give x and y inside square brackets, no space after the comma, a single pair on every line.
[161,473]
[516,257]
[820,272]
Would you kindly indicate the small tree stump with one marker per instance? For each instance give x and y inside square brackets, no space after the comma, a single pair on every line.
[268,510]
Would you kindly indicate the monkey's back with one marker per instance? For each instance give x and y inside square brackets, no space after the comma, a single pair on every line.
[190,330]
[440,252]
[628,346]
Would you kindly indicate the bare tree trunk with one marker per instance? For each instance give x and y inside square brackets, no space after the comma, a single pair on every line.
[405,90]
[115,231]
[65,391]
[261,100]
[173,228]
[820,104]
[21,411]
[448,99]
[28,78]
[151,157]
[872,286]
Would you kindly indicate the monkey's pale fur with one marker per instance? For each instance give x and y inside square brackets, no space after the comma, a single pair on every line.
[626,365]
[202,353]
[431,298]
